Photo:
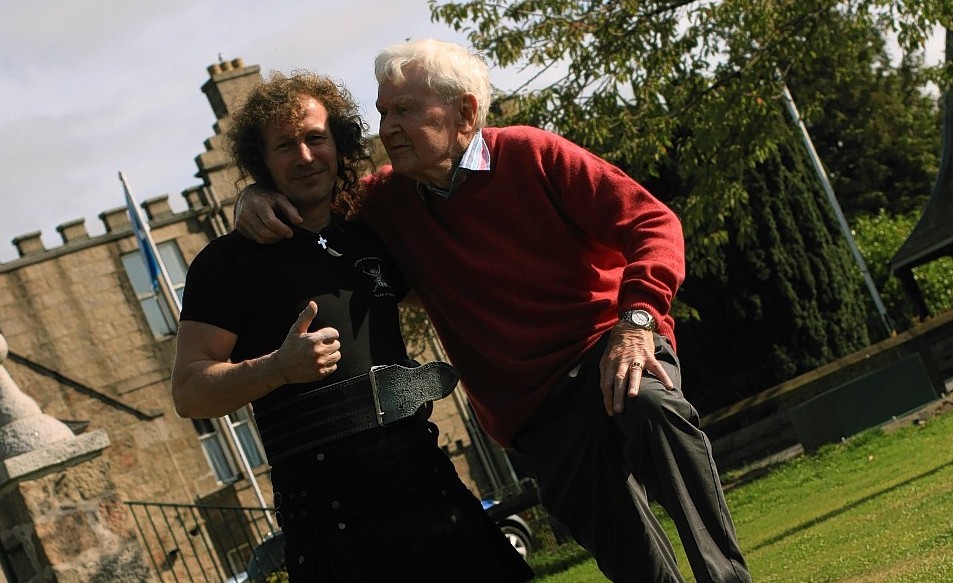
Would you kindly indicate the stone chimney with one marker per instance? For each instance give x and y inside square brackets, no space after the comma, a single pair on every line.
[227,89]
[229,84]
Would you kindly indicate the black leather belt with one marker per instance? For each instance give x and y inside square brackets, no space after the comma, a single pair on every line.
[379,397]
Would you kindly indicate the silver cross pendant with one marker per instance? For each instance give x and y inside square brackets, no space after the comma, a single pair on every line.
[324,244]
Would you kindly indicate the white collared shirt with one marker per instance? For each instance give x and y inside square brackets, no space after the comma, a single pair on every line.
[476,158]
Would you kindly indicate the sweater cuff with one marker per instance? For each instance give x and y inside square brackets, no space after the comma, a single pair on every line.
[642,304]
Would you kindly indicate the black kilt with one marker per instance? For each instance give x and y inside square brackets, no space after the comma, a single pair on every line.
[387,505]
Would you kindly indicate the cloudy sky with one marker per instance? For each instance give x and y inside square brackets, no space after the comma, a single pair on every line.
[90,88]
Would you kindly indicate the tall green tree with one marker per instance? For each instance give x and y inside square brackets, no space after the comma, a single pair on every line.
[626,78]
[686,97]
[783,302]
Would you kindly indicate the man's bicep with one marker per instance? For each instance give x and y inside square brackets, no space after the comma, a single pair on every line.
[199,342]
[201,358]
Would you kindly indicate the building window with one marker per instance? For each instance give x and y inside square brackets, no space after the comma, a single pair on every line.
[157,311]
[238,557]
[217,452]
[247,437]
[214,447]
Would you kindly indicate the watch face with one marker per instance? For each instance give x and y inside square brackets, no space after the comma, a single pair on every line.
[641,318]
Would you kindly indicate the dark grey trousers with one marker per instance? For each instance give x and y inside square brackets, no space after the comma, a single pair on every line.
[596,475]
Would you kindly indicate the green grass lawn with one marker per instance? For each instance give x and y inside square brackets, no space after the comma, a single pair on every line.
[876,509]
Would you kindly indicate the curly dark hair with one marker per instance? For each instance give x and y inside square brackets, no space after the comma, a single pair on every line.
[277,100]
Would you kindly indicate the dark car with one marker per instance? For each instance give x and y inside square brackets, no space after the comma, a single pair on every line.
[267,558]
[516,529]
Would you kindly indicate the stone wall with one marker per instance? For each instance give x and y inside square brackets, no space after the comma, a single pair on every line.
[72,311]
[71,526]
[61,517]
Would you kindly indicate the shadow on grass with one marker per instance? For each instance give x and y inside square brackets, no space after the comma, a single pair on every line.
[834,513]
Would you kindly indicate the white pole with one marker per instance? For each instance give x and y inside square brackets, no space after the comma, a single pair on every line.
[233,436]
[219,229]
[829,191]
[477,436]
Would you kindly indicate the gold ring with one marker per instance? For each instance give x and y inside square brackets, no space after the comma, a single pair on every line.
[637,365]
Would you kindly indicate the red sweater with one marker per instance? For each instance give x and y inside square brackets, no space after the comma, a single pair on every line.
[526,265]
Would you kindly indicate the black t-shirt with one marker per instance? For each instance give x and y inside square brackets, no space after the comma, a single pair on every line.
[257,292]
[391,487]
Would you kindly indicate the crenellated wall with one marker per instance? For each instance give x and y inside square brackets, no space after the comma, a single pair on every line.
[116,225]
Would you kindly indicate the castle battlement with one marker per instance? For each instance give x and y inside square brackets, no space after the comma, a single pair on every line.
[115,221]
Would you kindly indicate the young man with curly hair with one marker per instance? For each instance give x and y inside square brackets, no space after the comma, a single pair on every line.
[362,491]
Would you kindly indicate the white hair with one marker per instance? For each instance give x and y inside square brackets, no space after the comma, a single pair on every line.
[449,70]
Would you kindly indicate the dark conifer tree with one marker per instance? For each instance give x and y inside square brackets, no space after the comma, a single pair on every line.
[787,298]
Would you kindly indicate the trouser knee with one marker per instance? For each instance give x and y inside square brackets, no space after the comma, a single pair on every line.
[655,404]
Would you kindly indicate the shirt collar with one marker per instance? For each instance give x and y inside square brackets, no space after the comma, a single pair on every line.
[476,158]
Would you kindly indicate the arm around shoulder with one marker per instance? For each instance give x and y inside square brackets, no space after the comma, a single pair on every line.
[256,214]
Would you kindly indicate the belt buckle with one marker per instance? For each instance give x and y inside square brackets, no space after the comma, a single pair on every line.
[377,400]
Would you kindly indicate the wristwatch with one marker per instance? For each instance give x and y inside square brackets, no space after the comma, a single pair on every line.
[638,318]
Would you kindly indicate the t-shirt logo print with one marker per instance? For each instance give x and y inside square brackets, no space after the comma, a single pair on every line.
[371,266]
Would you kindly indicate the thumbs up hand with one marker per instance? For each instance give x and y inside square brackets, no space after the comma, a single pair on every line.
[308,356]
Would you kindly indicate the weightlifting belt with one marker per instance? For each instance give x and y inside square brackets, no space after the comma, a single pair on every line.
[377,398]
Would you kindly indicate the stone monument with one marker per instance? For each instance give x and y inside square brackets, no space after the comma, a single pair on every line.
[61,519]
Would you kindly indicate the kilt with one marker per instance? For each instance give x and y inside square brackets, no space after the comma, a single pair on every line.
[387,505]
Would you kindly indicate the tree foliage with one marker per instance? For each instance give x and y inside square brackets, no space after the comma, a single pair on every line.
[417,330]
[878,237]
[787,301]
[874,126]
[694,83]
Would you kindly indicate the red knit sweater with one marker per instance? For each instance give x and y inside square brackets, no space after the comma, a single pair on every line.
[526,265]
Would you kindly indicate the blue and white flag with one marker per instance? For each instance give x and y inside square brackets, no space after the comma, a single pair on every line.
[147,247]
[150,255]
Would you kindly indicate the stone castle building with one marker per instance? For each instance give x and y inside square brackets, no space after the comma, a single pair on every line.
[93,345]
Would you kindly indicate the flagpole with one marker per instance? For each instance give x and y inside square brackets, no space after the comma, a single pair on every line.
[150,254]
[832,200]
[159,277]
